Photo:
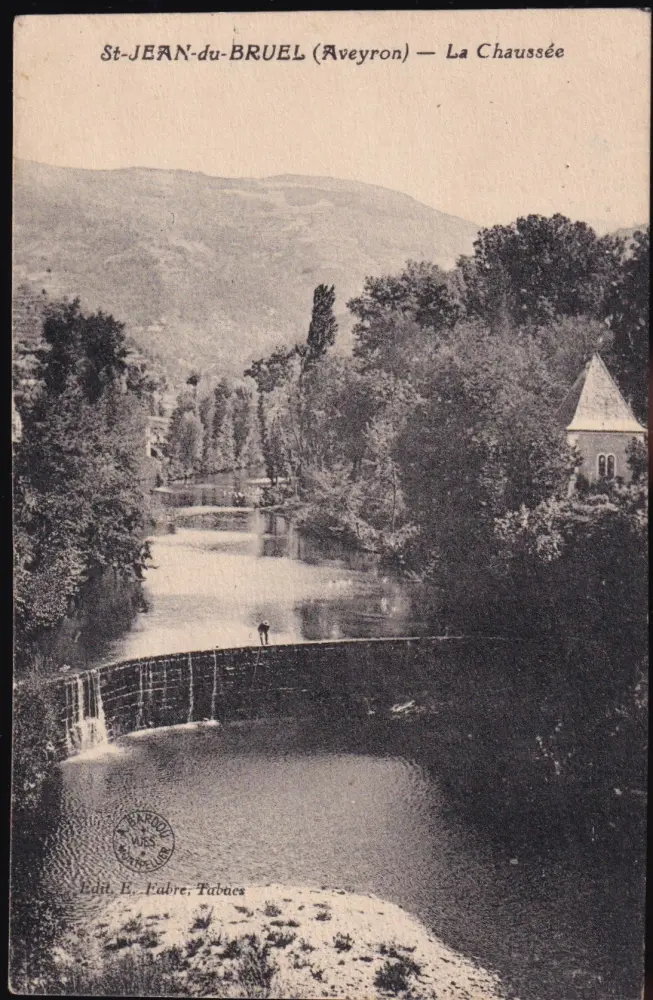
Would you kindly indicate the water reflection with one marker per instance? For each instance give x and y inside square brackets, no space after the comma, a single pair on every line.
[217,571]
[344,807]
[288,802]
[222,571]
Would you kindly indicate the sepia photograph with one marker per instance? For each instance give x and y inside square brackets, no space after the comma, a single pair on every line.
[330,504]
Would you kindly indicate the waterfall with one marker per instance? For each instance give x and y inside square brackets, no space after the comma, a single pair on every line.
[101,732]
[190,693]
[215,684]
[150,692]
[89,729]
[164,693]
[139,718]
[69,721]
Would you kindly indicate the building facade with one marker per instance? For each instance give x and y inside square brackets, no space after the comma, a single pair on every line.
[600,424]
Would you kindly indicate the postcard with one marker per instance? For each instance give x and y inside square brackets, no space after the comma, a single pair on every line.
[330,403]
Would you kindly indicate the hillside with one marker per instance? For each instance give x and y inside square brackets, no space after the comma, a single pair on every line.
[212,272]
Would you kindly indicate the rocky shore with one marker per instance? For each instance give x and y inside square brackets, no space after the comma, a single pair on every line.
[276,941]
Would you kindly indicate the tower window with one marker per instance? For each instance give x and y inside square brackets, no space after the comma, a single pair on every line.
[606,466]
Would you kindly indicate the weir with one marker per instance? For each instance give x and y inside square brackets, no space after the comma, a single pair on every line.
[84,723]
[355,677]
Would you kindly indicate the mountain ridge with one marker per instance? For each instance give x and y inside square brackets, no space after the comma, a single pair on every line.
[212,272]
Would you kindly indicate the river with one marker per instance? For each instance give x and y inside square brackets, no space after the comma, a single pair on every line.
[221,572]
[346,807]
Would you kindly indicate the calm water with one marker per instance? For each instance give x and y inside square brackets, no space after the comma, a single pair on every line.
[344,808]
[292,803]
[221,573]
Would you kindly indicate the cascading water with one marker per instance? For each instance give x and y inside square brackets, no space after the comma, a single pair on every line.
[214,690]
[164,695]
[87,729]
[139,717]
[190,693]
[150,686]
[69,721]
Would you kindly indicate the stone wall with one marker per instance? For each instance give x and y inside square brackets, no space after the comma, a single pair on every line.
[500,677]
[591,444]
[226,685]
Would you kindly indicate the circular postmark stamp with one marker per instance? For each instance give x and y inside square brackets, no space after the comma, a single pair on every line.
[143,841]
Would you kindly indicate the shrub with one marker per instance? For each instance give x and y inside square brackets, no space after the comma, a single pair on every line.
[232,949]
[255,968]
[280,940]
[203,921]
[137,974]
[35,731]
[150,938]
[342,942]
[132,926]
[193,945]
[392,977]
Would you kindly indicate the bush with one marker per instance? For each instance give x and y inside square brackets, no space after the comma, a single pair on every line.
[342,942]
[137,974]
[392,977]
[35,732]
[255,970]
[203,921]
[280,940]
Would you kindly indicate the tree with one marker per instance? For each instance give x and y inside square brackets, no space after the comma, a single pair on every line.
[577,566]
[205,412]
[81,477]
[283,409]
[482,441]
[89,349]
[323,326]
[538,269]
[269,374]
[565,344]
[628,310]
[400,314]
[223,430]
[245,432]
[188,446]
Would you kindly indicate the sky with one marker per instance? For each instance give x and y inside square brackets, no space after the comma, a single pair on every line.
[483,139]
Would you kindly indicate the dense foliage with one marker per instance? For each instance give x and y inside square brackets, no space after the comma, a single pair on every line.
[439,446]
[81,476]
[213,428]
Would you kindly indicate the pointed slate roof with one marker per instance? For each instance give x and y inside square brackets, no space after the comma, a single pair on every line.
[594,403]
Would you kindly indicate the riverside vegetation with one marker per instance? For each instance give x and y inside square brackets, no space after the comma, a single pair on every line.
[436,445]
[282,941]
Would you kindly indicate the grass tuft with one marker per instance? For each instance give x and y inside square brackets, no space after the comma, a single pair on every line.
[343,942]
[202,921]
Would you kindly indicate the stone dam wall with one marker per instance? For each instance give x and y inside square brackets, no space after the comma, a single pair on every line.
[348,677]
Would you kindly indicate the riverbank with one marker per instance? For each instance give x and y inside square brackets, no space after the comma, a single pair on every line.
[328,527]
[275,941]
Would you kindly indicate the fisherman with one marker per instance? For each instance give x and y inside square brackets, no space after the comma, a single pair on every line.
[263,630]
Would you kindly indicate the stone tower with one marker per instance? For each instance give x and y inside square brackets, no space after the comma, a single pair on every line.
[600,424]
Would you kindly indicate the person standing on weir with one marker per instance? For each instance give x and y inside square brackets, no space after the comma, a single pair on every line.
[263,631]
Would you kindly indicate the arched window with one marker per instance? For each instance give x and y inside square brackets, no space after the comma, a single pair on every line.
[601,466]
[606,466]
[611,467]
